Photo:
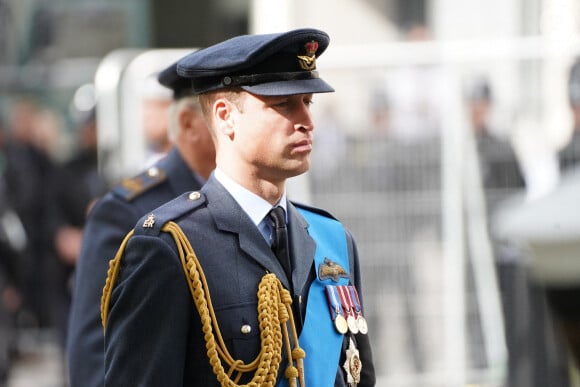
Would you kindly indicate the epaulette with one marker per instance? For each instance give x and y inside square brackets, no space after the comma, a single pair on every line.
[152,222]
[317,210]
[132,187]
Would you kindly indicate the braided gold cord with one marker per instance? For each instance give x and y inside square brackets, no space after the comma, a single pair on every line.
[111,279]
[274,312]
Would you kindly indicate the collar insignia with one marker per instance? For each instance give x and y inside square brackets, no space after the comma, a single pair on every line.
[331,270]
[149,222]
[308,61]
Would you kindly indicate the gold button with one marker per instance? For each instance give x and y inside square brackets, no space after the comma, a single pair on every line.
[245,329]
[194,195]
[153,171]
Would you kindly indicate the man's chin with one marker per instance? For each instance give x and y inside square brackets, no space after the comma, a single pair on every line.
[299,170]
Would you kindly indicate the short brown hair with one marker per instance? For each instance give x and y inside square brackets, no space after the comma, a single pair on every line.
[206,100]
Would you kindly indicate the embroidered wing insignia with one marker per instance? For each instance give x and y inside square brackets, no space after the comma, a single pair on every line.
[332,270]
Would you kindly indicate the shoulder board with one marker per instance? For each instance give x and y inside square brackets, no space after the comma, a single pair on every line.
[152,222]
[132,187]
[316,210]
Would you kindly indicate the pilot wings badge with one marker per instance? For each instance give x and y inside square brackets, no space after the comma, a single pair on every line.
[330,269]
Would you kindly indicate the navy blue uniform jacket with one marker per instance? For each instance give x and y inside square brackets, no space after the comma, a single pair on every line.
[154,336]
[109,221]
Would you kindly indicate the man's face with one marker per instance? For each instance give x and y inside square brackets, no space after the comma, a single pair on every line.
[155,123]
[273,135]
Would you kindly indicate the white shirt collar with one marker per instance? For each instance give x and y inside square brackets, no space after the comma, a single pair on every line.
[255,206]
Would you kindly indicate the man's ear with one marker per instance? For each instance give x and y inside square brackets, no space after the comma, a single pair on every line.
[223,114]
[186,118]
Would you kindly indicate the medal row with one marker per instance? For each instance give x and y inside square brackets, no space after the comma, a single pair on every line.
[345,309]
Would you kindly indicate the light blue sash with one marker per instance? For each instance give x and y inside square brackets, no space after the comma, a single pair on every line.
[319,339]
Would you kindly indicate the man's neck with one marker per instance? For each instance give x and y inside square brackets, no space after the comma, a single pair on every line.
[270,191]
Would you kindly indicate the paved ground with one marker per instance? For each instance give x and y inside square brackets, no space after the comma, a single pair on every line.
[39,363]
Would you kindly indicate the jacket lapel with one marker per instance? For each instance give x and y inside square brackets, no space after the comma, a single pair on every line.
[302,247]
[230,217]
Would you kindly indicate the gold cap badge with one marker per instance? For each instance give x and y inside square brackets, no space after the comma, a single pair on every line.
[308,61]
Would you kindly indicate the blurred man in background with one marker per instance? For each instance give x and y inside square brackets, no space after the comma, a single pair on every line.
[29,171]
[157,101]
[12,244]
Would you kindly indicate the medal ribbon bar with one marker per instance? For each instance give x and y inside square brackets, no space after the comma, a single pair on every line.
[336,311]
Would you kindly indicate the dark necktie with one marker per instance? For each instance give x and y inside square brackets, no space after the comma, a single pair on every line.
[280,240]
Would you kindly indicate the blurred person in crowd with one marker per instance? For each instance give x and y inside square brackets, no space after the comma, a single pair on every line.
[29,171]
[157,100]
[49,134]
[12,244]
[77,184]
[186,167]
[536,355]
[500,168]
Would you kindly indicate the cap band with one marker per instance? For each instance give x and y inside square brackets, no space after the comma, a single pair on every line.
[255,79]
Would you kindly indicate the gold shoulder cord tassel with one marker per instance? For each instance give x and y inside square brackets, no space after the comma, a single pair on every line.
[274,312]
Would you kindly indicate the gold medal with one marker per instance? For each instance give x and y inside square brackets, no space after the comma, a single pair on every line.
[336,310]
[352,324]
[361,322]
[344,297]
[340,324]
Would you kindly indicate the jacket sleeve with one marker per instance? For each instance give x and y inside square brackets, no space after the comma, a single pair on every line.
[149,318]
[368,378]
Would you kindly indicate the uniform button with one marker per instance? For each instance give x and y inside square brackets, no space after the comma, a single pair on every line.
[245,329]
[153,171]
[194,195]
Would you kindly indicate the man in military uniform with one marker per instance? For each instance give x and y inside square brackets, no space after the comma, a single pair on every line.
[197,296]
[185,168]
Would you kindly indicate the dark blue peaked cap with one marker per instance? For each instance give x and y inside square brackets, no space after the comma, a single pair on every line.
[169,78]
[268,64]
